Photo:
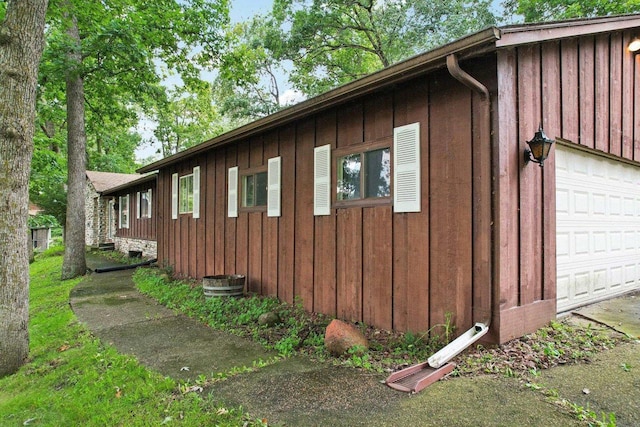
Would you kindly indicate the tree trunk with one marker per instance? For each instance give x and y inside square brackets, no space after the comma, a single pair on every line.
[21,43]
[74,264]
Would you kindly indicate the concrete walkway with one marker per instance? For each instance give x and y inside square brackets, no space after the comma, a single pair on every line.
[301,392]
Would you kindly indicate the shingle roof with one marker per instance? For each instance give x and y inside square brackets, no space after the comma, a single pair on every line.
[105,180]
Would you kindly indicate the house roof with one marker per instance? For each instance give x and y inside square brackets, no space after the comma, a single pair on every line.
[473,45]
[103,181]
[149,177]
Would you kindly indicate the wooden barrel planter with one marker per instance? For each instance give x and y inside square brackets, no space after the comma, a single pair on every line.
[223,285]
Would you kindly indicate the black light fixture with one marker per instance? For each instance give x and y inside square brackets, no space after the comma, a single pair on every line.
[539,148]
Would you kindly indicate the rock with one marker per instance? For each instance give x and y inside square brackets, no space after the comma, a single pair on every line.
[341,336]
[269,319]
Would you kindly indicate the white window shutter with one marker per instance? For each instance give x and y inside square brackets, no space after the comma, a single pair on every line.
[149,201]
[406,167]
[174,196]
[322,180]
[196,192]
[232,202]
[273,189]
[139,202]
[120,212]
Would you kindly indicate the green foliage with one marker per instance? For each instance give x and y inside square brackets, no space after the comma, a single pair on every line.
[247,85]
[85,382]
[43,220]
[333,42]
[186,118]
[549,10]
[298,331]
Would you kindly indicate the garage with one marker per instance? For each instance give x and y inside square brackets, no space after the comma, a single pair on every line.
[598,227]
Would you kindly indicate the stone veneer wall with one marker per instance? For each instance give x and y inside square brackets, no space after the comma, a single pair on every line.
[96,216]
[149,248]
[91,234]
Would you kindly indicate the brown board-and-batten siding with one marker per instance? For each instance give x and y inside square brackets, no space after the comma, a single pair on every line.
[362,262]
[138,228]
[585,91]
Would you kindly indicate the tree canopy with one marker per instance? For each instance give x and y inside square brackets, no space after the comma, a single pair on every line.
[548,10]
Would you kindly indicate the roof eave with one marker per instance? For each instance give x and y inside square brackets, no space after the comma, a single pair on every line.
[145,178]
[470,46]
[536,33]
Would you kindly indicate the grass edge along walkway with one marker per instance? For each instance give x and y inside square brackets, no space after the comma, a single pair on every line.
[71,378]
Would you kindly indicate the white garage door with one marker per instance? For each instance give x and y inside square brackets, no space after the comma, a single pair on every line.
[598,228]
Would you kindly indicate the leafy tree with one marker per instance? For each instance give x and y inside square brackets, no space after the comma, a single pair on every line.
[332,42]
[247,85]
[185,118]
[21,43]
[548,10]
[102,64]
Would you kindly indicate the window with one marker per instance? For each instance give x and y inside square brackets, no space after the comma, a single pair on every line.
[254,189]
[144,204]
[364,175]
[186,194]
[123,210]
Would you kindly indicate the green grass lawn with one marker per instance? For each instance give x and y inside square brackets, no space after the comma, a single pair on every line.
[72,378]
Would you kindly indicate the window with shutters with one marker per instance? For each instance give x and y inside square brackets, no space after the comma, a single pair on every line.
[363,175]
[381,172]
[185,192]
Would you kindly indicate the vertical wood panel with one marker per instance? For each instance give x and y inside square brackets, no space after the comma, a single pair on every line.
[529,111]
[636,110]
[254,219]
[627,98]
[615,95]
[507,259]
[451,203]
[350,120]
[377,276]
[242,222]
[270,230]
[411,230]
[254,249]
[349,263]
[160,217]
[324,262]
[201,253]
[304,236]
[219,194]
[349,225]
[378,116]
[482,195]
[210,231]
[570,105]
[191,257]
[286,258]
[587,92]
[231,227]
[551,107]
[602,93]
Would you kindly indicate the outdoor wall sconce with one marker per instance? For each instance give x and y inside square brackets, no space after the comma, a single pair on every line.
[634,46]
[539,148]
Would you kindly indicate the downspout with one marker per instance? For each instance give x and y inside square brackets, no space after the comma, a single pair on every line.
[485,134]
[481,327]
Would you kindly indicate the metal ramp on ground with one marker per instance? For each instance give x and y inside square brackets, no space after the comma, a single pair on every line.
[415,378]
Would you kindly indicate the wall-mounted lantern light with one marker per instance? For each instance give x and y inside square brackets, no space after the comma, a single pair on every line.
[634,46]
[539,148]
